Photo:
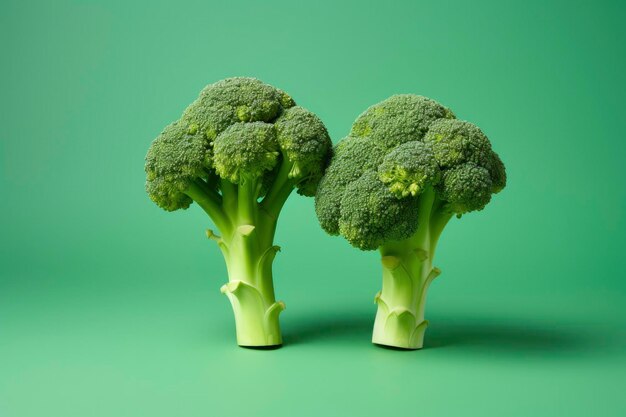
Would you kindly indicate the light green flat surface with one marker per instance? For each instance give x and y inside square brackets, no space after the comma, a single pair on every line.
[111,307]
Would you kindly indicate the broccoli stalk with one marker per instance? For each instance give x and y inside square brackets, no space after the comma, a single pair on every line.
[249,252]
[239,151]
[248,249]
[407,167]
[407,273]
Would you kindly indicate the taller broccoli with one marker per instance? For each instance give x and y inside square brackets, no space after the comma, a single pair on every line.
[407,167]
[238,151]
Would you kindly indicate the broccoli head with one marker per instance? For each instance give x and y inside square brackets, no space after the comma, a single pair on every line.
[393,184]
[238,151]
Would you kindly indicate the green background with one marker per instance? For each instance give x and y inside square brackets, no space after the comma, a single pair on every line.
[111,307]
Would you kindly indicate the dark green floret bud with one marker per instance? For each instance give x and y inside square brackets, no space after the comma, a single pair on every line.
[174,159]
[168,194]
[455,142]
[498,174]
[371,214]
[305,143]
[285,99]
[466,188]
[352,157]
[399,119]
[245,150]
[234,100]
[408,169]
[209,119]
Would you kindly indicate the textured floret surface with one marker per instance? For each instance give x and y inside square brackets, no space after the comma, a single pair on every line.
[396,150]
[238,128]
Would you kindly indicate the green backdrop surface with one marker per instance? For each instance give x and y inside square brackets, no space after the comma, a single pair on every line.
[111,307]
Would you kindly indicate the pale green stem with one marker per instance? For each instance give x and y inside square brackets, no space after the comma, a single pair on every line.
[407,273]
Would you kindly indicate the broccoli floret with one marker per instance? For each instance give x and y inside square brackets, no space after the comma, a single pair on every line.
[238,151]
[372,215]
[406,169]
[353,156]
[456,142]
[466,188]
[497,171]
[299,132]
[175,159]
[245,151]
[400,118]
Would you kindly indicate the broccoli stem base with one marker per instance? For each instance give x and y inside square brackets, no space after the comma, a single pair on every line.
[249,255]
[256,317]
[406,277]
[407,274]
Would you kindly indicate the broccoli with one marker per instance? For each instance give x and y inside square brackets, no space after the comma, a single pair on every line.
[238,151]
[407,167]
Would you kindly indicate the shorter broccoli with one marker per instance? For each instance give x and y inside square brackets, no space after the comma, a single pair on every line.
[407,167]
[238,152]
